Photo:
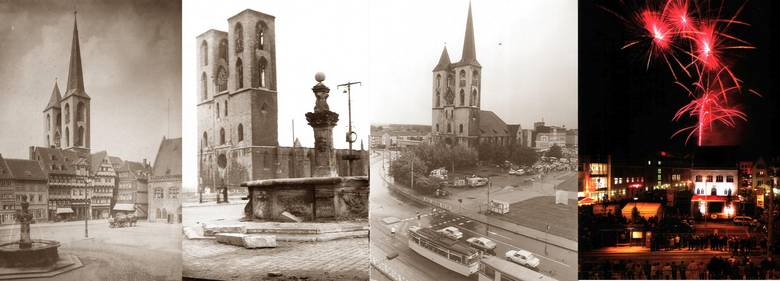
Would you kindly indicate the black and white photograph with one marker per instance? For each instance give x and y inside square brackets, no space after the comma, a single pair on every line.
[276,166]
[90,157]
[473,140]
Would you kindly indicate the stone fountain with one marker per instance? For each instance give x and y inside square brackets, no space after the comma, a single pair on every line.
[28,252]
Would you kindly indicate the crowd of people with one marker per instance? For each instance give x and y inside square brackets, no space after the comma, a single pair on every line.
[717,268]
[734,244]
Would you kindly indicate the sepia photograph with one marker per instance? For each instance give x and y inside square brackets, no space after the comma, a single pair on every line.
[276,166]
[473,140]
[678,149]
[90,157]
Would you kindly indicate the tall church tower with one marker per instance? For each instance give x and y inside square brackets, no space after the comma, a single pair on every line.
[53,119]
[75,104]
[457,94]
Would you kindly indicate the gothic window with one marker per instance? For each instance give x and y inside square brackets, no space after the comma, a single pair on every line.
[263,64]
[221,135]
[204,86]
[67,137]
[226,108]
[475,78]
[437,127]
[223,49]
[221,79]
[204,51]
[56,139]
[449,97]
[239,38]
[450,81]
[473,100]
[460,128]
[205,142]
[48,142]
[81,112]
[80,137]
[239,74]
[240,132]
[48,121]
[217,111]
[462,78]
[438,80]
[438,97]
[260,35]
[449,128]
[67,113]
[462,98]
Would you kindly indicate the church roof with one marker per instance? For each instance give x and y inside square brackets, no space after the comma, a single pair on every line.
[469,50]
[444,61]
[491,125]
[54,100]
[168,160]
[75,74]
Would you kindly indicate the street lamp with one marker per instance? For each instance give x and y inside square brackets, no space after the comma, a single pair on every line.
[87,204]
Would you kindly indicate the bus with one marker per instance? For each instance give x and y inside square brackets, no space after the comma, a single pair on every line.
[496,269]
[451,254]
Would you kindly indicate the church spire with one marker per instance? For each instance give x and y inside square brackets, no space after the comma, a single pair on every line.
[444,61]
[469,50]
[75,75]
[54,100]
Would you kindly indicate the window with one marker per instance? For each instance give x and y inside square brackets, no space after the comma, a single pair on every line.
[438,81]
[205,142]
[449,128]
[223,46]
[158,193]
[67,137]
[719,178]
[262,66]
[48,122]
[438,98]
[240,132]
[217,110]
[462,98]
[460,128]
[463,78]
[698,178]
[221,79]
[473,99]
[81,112]
[239,38]
[67,113]
[222,136]
[475,78]
[437,127]
[239,74]
[204,86]
[729,178]
[709,178]
[260,35]
[173,192]
[226,108]
[204,51]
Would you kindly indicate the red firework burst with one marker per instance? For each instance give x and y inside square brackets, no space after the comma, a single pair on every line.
[691,38]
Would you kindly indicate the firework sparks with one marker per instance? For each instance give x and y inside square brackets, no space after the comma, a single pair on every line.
[695,42]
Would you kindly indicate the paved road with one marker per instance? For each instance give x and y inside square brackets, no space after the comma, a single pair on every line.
[557,263]
[148,251]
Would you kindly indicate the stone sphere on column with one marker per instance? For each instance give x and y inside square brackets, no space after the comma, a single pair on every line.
[320,76]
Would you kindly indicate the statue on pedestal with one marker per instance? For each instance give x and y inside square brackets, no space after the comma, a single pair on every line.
[24,218]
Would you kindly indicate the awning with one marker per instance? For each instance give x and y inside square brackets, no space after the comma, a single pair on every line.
[124,207]
[64,211]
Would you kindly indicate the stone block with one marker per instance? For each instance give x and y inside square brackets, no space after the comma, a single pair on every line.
[211,230]
[235,239]
[259,241]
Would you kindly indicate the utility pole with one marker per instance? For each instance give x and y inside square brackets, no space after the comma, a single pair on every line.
[411,171]
[351,136]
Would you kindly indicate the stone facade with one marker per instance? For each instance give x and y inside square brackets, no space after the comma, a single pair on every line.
[165,183]
[22,178]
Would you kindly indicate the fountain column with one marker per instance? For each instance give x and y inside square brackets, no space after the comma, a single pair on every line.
[322,120]
[24,218]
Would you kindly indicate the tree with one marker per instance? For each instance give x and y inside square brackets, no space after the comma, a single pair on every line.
[555,151]
[400,168]
[525,156]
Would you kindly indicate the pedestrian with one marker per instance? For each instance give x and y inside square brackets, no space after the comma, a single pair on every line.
[667,269]
[646,269]
[682,268]
[674,271]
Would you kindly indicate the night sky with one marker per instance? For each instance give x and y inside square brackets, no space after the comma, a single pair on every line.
[627,109]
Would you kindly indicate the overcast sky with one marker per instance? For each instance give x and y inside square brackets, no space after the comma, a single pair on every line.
[527,49]
[130,53]
[311,36]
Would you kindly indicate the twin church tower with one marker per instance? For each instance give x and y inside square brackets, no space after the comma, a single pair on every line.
[67,115]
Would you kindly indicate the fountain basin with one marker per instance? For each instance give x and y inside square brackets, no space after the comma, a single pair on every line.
[42,253]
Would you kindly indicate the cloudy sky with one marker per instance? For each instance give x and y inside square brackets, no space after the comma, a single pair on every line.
[527,49]
[311,36]
[130,53]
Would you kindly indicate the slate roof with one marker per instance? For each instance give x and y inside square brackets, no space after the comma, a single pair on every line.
[168,160]
[25,170]
[491,125]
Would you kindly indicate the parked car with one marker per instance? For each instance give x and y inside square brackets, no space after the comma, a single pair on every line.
[523,257]
[518,172]
[481,243]
[475,181]
[451,232]
[745,220]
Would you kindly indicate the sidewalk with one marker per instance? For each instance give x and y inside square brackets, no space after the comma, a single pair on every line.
[474,215]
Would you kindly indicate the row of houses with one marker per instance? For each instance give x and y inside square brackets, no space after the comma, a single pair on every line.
[64,184]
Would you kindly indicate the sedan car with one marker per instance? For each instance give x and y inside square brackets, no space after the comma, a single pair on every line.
[523,257]
[481,243]
[451,232]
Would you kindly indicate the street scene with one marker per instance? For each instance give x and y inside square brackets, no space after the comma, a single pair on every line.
[90,190]
[473,156]
[272,201]
[678,166]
